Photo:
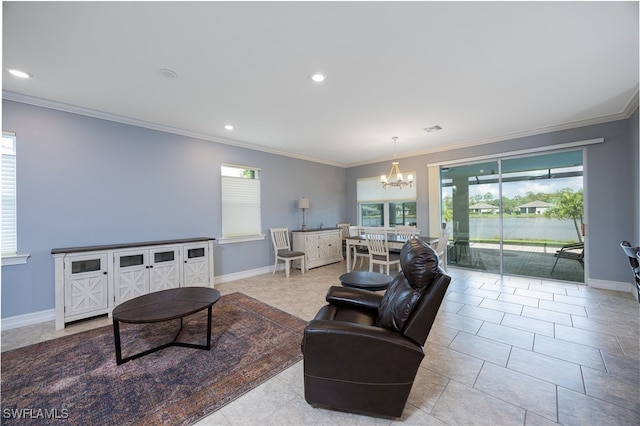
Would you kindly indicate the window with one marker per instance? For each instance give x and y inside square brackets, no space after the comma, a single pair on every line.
[9,221]
[241,217]
[379,207]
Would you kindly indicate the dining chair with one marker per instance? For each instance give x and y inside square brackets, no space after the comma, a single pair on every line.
[633,253]
[406,232]
[361,252]
[344,228]
[441,247]
[282,250]
[379,250]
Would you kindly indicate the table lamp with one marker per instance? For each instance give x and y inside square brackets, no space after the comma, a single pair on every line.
[303,204]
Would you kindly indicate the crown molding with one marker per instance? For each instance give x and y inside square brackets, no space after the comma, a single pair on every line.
[88,112]
[61,106]
[632,106]
[625,114]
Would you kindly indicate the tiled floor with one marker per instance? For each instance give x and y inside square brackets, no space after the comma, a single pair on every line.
[503,351]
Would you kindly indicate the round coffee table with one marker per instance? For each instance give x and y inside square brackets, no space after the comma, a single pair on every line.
[373,281]
[163,306]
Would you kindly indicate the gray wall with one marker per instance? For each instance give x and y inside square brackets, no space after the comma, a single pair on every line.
[611,212]
[85,181]
[634,175]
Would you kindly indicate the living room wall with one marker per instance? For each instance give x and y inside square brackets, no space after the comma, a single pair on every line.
[611,213]
[634,173]
[87,181]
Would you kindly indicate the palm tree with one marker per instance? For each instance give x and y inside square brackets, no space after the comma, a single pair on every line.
[570,206]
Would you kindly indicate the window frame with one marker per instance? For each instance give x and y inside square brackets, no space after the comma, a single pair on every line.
[229,185]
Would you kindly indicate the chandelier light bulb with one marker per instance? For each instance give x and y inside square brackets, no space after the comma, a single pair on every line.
[395,177]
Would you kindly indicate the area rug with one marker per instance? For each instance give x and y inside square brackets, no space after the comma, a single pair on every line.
[75,379]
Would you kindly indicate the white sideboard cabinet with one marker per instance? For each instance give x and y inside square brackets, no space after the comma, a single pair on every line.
[92,280]
[320,246]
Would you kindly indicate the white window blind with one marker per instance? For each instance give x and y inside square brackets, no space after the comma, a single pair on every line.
[9,221]
[241,216]
[370,190]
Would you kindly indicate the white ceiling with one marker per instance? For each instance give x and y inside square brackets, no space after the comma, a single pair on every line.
[482,71]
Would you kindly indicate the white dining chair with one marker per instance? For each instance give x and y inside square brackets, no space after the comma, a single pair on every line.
[361,252]
[344,228]
[406,232]
[441,247]
[282,249]
[379,250]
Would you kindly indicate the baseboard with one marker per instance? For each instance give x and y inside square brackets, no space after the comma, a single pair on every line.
[610,285]
[244,274]
[27,319]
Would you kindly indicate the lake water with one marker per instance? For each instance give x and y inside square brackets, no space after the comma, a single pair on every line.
[527,228]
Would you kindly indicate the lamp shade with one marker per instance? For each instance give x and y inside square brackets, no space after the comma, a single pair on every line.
[303,203]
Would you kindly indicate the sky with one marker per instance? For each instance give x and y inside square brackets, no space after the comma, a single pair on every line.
[511,189]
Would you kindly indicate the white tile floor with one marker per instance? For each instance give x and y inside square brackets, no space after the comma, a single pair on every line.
[503,351]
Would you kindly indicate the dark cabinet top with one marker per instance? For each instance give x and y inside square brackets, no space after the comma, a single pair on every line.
[128,245]
[315,230]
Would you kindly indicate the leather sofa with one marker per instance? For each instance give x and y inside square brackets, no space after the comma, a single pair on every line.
[362,350]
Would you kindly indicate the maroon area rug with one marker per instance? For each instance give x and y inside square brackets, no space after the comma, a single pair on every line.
[75,379]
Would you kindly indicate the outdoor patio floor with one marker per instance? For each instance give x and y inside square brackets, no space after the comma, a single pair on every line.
[518,260]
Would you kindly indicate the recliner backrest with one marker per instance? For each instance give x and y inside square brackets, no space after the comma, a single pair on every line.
[412,300]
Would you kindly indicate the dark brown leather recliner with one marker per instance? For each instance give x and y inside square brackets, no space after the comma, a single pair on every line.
[362,350]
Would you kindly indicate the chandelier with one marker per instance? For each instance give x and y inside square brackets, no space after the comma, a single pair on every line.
[395,177]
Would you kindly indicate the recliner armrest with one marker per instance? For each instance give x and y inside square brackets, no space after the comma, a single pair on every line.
[353,297]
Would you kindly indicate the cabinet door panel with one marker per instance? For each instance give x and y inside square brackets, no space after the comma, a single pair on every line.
[164,270]
[196,266]
[311,248]
[131,275]
[86,283]
[330,245]
[87,294]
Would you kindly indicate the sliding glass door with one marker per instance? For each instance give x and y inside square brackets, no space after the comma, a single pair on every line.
[518,216]
[471,209]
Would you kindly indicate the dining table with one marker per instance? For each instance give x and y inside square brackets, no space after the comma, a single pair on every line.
[394,242]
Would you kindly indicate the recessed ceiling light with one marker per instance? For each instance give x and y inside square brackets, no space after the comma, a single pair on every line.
[168,73]
[19,73]
[318,77]
[228,126]
[433,129]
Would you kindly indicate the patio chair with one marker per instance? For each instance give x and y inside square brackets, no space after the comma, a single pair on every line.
[633,253]
[574,251]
